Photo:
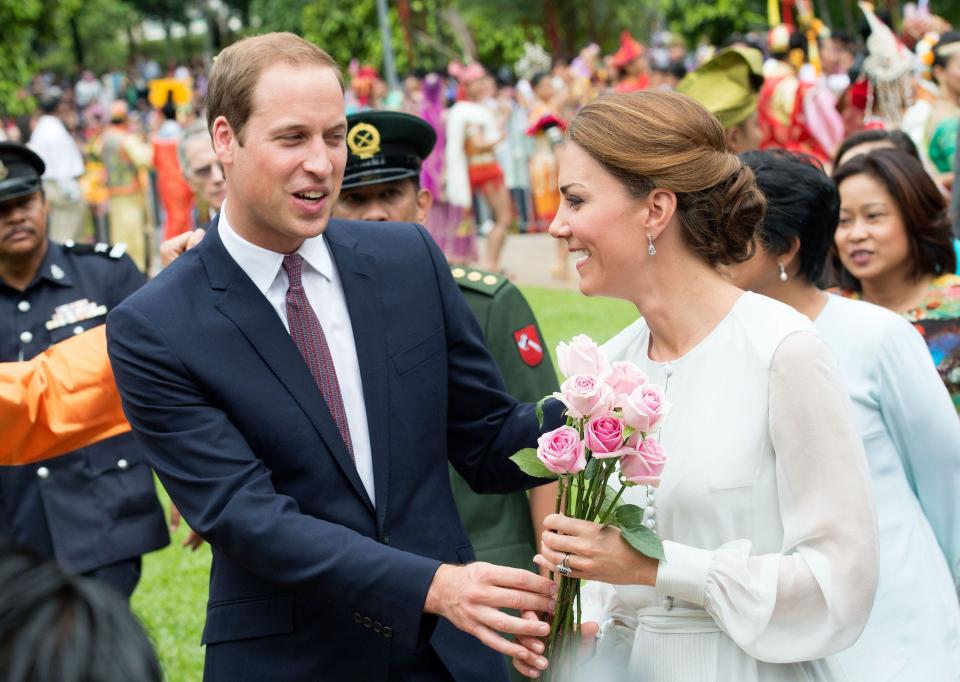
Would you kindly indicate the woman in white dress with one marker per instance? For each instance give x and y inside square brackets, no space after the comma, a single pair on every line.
[906,419]
[765,504]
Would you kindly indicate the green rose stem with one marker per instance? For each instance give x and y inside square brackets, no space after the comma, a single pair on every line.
[613,505]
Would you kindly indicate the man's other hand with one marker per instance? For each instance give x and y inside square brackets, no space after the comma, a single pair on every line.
[471,597]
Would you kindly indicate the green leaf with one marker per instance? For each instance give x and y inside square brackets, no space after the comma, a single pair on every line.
[530,464]
[592,466]
[540,410]
[627,516]
[644,541]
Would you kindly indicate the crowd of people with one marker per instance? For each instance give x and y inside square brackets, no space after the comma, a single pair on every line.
[811,526]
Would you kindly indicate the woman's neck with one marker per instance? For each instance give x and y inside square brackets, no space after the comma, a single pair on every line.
[899,293]
[800,295]
[683,306]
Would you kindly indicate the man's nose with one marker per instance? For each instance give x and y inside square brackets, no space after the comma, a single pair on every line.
[216,173]
[375,210]
[318,160]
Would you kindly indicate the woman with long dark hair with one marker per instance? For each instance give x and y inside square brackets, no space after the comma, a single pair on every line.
[894,248]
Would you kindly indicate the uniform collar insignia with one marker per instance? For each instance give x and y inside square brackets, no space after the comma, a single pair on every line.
[57,271]
[4,173]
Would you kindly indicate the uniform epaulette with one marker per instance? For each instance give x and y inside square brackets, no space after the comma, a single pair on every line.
[480,281]
[114,251]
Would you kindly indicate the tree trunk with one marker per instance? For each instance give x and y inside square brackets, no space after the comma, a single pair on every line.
[78,55]
[550,28]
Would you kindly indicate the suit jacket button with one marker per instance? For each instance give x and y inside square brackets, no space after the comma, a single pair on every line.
[43,472]
[357,618]
[377,626]
[122,464]
[367,623]
[388,632]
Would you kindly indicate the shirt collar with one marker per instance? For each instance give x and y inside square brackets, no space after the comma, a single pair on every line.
[262,265]
[53,267]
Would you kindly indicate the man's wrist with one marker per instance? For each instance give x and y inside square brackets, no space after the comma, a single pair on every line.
[435,593]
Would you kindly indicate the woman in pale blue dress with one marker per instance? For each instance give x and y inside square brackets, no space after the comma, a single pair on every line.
[906,419]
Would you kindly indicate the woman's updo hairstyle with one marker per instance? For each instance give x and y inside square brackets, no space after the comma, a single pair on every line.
[658,139]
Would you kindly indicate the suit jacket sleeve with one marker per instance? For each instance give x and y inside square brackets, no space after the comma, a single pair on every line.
[225,492]
[485,425]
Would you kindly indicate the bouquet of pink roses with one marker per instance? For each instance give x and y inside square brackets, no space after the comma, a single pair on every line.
[611,411]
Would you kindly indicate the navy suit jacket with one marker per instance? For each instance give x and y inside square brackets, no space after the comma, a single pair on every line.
[310,580]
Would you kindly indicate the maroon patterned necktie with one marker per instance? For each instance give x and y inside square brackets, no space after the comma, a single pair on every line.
[308,336]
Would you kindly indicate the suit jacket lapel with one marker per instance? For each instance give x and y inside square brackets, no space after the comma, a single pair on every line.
[361,288]
[250,311]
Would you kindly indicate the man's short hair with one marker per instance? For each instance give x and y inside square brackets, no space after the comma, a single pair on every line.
[237,69]
[198,127]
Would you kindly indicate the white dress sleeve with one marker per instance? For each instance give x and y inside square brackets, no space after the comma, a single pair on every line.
[602,604]
[923,423]
[812,598]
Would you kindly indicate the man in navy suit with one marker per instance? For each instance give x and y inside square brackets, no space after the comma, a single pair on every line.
[298,384]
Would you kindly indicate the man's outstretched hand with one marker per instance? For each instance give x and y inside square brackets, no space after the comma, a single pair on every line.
[471,597]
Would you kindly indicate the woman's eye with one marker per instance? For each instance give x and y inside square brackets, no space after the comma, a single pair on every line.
[573,200]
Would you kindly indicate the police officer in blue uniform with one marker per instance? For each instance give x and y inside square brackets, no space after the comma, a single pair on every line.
[94,510]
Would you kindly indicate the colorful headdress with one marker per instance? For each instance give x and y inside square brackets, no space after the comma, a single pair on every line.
[888,65]
[466,74]
[534,60]
[629,49]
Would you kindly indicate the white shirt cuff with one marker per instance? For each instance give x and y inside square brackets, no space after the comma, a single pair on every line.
[684,574]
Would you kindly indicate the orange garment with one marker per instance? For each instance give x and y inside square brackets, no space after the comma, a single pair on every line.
[61,400]
[175,193]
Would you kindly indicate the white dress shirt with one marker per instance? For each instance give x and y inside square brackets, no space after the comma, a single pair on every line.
[321,282]
[61,156]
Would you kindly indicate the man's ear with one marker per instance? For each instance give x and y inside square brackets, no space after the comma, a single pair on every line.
[424,202]
[223,137]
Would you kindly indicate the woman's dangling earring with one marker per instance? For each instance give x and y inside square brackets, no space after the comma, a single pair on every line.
[783,272]
[652,250]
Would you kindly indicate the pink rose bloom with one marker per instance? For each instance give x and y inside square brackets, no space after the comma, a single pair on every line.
[604,437]
[644,408]
[585,396]
[581,356]
[624,378]
[645,463]
[562,451]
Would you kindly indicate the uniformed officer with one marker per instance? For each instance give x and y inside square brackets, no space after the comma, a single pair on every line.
[382,182]
[95,509]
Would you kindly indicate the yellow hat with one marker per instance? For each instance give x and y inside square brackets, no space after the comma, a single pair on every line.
[727,85]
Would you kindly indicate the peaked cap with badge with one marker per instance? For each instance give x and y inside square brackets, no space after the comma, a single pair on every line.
[384,146]
[20,171]
[728,85]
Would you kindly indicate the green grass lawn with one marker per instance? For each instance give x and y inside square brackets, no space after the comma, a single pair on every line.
[172,595]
